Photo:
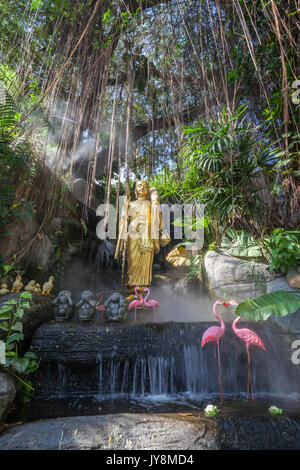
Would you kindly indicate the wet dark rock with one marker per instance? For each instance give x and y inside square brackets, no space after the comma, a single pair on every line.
[259,433]
[139,431]
[7,394]
[112,432]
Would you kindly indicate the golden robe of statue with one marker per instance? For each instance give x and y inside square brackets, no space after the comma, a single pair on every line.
[140,234]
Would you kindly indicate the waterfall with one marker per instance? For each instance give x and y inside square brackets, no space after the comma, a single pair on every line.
[144,360]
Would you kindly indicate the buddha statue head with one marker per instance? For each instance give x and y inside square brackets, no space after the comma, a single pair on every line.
[141,189]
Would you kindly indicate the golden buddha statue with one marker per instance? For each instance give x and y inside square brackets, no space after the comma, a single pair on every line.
[140,235]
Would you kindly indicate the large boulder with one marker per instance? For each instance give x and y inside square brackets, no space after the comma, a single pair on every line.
[293,277]
[280,283]
[40,252]
[25,233]
[228,276]
[7,394]
[19,235]
[79,188]
[114,432]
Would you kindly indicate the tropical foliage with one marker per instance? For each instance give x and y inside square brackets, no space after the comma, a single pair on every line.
[279,303]
[283,248]
[241,244]
[11,328]
[197,96]
[16,147]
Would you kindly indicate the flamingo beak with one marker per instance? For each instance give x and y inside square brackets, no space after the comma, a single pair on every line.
[226,303]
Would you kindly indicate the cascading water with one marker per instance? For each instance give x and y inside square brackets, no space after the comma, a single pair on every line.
[150,360]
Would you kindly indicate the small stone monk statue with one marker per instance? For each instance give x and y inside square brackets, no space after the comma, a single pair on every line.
[114,308]
[63,306]
[86,306]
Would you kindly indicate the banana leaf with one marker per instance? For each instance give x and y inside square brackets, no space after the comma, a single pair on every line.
[279,303]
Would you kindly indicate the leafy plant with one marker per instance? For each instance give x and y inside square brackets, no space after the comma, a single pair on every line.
[279,303]
[195,266]
[241,244]
[199,227]
[221,161]
[283,248]
[9,271]
[11,314]
[16,148]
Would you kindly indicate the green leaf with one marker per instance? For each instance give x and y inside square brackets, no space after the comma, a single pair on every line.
[19,364]
[35,4]
[5,309]
[4,325]
[18,326]
[25,305]
[11,354]
[241,244]
[19,313]
[279,303]
[30,355]
[4,316]
[26,295]
[14,337]
[11,302]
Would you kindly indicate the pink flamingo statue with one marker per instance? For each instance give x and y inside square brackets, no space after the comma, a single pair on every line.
[136,303]
[100,306]
[152,303]
[249,338]
[214,334]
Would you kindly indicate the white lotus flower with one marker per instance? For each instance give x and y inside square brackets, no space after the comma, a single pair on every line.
[211,410]
[274,410]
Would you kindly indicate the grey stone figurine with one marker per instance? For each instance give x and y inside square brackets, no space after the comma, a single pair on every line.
[86,306]
[114,308]
[63,306]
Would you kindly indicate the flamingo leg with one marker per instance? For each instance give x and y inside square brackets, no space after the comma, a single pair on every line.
[134,314]
[155,314]
[249,383]
[215,353]
[219,372]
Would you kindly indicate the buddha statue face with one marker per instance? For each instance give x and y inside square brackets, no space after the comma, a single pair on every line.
[141,189]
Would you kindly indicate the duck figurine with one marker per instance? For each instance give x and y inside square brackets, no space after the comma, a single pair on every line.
[37,287]
[48,286]
[30,286]
[18,284]
[3,289]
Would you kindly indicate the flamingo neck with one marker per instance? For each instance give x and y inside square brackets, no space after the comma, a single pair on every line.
[217,316]
[235,323]
[100,298]
[139,295]
[148,293]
